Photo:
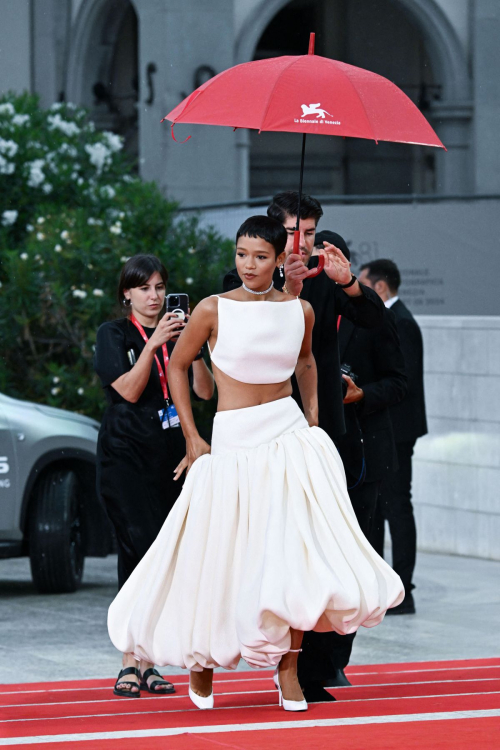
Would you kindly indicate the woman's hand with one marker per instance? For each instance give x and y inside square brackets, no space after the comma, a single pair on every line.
[312,420]
[166,330]
[195,447]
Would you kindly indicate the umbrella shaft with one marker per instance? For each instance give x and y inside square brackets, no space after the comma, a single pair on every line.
[301,180]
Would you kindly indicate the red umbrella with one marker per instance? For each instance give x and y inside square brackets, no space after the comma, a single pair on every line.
[307,94]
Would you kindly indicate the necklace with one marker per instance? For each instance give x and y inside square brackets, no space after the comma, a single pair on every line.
[252,291]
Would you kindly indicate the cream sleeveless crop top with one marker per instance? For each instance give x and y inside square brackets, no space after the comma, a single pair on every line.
[258,342]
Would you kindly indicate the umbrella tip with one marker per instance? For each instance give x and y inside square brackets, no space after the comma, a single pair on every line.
[312,38]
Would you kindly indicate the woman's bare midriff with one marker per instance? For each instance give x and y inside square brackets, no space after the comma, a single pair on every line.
[233,394]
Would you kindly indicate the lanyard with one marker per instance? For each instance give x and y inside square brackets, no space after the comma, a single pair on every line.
[163,378]
[338,321]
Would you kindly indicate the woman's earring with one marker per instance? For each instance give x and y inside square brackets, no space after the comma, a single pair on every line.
[281,271]
[127,302]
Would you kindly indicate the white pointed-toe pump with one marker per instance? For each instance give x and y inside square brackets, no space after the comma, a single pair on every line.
[202,701]
[289,705]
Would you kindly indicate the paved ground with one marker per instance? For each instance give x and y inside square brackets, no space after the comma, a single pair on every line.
[64,637]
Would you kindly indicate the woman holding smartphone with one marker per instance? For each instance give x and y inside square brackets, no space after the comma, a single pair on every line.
[140,441]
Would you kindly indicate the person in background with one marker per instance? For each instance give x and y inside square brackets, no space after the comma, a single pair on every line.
[367,450]
[140,441]
[409,423]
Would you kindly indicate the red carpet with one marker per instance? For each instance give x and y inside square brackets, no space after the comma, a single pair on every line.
[450,704]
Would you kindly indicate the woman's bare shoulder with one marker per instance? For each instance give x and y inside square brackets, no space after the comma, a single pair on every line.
[207,305]
[307,308]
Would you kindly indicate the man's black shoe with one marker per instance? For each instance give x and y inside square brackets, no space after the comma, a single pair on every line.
[407,607]
[314,692]
[338,680]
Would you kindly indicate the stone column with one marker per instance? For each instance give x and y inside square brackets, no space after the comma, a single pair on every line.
[486,86]
[15,46]
[51,31]
[452,122]
[178,37]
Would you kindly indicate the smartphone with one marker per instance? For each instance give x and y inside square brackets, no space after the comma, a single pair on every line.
[179,304]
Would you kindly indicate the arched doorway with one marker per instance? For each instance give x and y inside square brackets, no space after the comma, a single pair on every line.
[103,67]
[379,35]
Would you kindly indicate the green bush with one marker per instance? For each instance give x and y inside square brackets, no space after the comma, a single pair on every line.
[71,213]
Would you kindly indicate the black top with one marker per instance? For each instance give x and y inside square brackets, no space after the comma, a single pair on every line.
[328,302]
[114,340]
[376,359]
[408,417]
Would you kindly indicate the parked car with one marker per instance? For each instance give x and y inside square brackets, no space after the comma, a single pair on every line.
[49,509]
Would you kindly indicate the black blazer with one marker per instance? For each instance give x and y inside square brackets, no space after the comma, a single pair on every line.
[328,301]
[408,417]
[376,358]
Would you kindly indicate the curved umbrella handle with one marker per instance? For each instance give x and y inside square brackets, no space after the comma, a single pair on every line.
[321,260]
[316,271]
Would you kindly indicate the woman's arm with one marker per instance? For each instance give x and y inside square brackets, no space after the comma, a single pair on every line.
[131,385]
[305,371]
[196,333]
[203,380]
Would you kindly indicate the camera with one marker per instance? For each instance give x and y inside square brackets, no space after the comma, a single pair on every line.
[345,369]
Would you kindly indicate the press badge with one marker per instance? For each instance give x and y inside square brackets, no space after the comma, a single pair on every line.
[169,417]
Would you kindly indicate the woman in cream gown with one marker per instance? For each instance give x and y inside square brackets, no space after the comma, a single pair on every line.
[262,543]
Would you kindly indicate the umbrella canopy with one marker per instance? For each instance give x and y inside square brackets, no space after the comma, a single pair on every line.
[307,94]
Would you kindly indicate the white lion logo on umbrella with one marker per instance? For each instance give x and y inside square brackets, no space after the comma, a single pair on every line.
[314,109]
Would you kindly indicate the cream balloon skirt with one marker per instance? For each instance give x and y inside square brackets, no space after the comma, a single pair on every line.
[262,538]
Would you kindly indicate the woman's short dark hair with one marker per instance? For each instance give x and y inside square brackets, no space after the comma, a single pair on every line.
[287,204]
[137,270]
[266,229]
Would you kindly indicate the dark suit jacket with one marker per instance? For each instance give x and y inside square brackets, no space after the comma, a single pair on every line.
[408,417]
[376,358]
[328,301]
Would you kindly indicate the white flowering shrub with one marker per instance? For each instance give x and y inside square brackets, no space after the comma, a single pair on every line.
[71,213]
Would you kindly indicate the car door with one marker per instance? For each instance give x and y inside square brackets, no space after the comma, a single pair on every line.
[8,481]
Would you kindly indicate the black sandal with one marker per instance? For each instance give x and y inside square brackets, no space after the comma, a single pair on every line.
[128,693]
[169,688]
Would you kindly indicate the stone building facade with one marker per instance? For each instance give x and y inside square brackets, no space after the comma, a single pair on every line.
[131,61]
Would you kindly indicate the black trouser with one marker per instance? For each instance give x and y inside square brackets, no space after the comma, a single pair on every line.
[394,505]
[322,653]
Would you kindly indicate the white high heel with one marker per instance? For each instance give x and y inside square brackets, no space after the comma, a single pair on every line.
[201,701]
[289,705]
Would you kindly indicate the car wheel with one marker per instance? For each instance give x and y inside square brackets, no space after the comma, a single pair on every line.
[55,533]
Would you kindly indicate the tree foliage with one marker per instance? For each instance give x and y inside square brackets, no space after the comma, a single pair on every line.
[71,213]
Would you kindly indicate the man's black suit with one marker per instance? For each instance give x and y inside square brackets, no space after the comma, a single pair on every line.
[376,358]
[328,301]
[409,423]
